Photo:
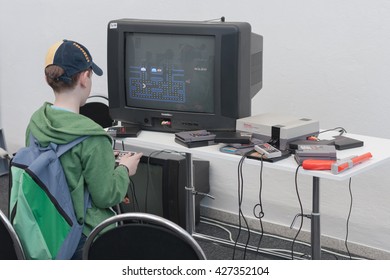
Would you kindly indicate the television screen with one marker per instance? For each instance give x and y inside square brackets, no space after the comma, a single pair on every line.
[170,72]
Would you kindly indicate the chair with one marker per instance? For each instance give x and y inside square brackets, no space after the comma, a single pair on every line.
[4,166]
[141,236]
[11,248]
[98,110]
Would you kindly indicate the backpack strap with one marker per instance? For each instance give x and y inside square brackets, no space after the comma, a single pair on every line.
[61,149]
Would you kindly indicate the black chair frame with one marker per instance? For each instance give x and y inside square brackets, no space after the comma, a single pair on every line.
[11,248]
[141,236]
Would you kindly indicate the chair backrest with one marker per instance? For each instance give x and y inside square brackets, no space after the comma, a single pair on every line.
[4,167]
[97,110]
[11,248]
[141,236]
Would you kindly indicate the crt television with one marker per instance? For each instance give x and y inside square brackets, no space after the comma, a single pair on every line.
[181,75]
[159,186]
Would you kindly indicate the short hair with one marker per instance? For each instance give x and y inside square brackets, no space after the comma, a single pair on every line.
[53,75]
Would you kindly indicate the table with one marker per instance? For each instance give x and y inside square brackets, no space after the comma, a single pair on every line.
[379,148]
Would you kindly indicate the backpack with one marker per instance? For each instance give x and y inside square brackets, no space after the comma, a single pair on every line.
[41,207]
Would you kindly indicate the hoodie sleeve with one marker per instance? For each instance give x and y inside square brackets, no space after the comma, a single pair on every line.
[107,185]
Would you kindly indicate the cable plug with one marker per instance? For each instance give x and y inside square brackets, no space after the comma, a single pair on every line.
[299,215]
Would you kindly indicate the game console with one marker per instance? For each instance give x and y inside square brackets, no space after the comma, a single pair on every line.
[278,129]
[123,131]
[200,138]
[318,152]
[195,138]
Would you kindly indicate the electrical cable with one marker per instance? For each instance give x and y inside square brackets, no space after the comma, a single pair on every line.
[223,226]
[114,143]
[301,211]
[148,175]
[134,196]
[260,205]
[239,205]
[349,215]
[240,190]
[270,251]
[340,129]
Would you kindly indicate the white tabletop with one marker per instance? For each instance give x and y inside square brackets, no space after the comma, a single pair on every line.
[379,148]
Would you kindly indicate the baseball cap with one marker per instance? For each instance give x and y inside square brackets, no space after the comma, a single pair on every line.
[72,57]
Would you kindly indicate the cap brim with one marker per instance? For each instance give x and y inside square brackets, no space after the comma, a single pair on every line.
[96,69]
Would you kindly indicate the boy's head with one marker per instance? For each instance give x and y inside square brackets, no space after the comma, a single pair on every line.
[64,61]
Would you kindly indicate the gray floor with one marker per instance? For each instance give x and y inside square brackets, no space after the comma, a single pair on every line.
[256,246]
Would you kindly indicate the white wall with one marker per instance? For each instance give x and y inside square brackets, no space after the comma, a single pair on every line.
[328,60]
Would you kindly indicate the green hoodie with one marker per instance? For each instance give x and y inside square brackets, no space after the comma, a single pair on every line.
[90,164]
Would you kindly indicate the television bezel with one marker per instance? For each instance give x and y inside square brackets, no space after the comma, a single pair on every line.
[232,71]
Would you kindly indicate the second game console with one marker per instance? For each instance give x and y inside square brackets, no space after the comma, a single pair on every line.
[278,129]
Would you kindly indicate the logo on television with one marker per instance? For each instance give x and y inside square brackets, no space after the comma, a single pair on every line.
[166,115]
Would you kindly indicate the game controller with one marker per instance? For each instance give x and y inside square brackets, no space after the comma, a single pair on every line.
[120,153]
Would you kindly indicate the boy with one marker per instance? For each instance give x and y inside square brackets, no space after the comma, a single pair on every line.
[90,164]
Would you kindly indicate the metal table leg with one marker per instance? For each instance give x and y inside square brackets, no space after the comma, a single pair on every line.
[315,221]
[190,205]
